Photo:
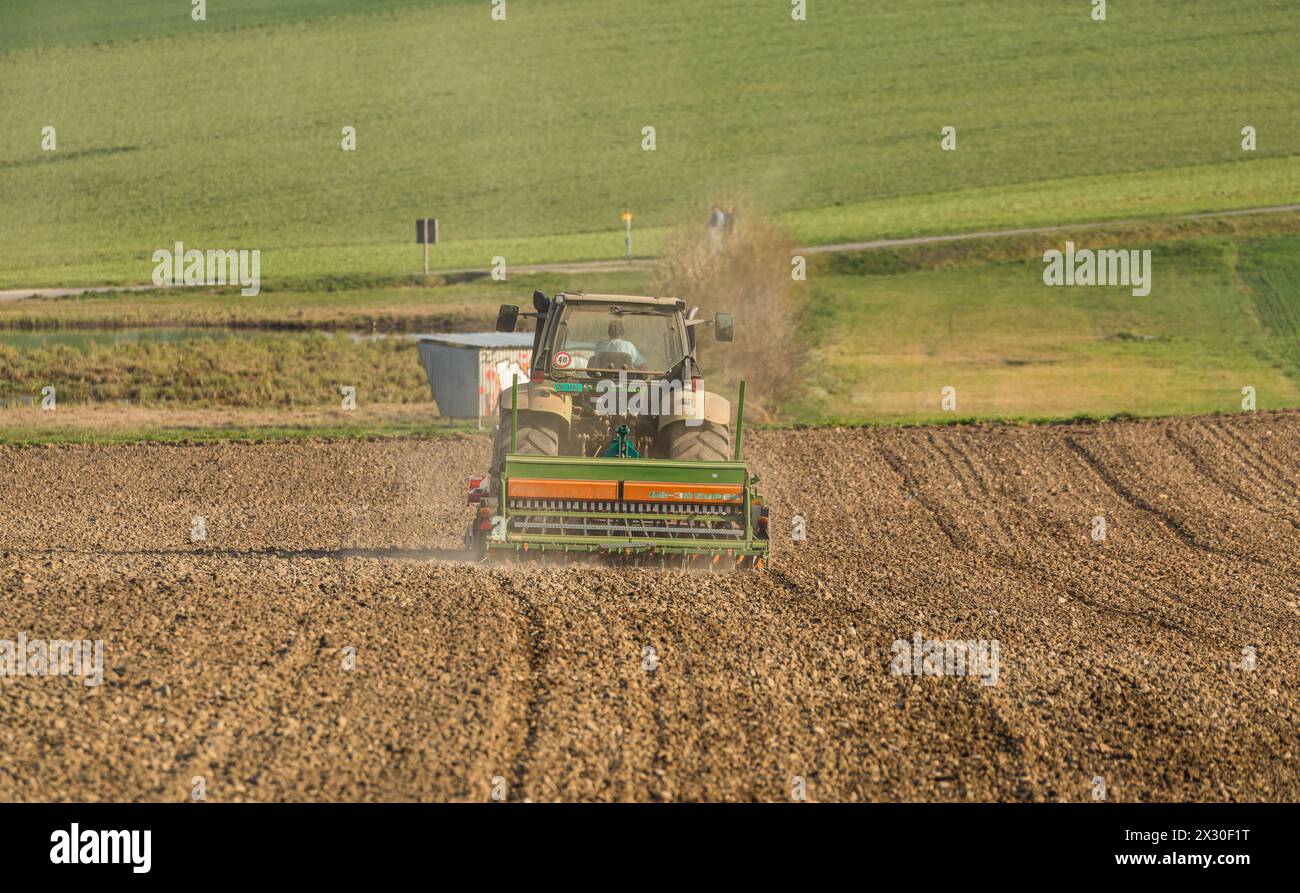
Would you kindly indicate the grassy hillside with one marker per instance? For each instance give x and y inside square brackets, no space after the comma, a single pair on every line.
[32,24]
[1220,316]
[524,136]
[1270,269]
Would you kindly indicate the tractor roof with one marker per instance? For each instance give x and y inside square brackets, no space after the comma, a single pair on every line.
[667,303]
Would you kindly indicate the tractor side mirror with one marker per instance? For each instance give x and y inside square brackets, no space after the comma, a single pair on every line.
[722,327]
[507,316]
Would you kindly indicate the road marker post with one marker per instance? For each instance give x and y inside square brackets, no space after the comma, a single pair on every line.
[426,234]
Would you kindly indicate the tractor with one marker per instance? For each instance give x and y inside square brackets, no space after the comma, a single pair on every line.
[613,448]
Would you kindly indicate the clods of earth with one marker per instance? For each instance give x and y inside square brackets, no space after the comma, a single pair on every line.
[322,638]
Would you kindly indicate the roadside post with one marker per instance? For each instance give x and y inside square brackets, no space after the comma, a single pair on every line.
[627,218]
[426,234]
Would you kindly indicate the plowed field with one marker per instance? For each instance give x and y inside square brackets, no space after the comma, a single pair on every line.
[1162,659]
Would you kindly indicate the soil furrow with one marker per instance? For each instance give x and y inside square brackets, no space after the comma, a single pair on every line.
[1249,455]
[534,631]
[1172,524]
[912,487]
[323,642]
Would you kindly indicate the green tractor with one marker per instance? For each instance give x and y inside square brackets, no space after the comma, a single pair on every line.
[613,447]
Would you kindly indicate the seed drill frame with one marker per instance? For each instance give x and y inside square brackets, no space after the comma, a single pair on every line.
[622,508]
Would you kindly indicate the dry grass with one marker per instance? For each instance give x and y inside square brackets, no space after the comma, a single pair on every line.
[746,272]
[261,371]
[109,422]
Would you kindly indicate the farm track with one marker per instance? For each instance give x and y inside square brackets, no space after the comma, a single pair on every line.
[226,659]
[648,263]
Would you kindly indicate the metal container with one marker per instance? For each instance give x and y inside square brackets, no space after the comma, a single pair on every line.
[468,372]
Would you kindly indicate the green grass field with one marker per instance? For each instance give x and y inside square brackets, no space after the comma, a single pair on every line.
[524,136]
[36,25]
[1221,316]
[1223,313]
[1270,268]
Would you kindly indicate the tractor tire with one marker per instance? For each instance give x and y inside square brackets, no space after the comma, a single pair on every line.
[538,435]
[707,442]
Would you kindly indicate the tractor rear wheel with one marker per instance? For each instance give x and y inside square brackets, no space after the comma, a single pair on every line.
[706,442]
[538,435]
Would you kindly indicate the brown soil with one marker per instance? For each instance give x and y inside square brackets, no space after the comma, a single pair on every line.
[224,659]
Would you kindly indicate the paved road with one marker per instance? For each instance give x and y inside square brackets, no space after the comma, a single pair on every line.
[645,263]
[22,294]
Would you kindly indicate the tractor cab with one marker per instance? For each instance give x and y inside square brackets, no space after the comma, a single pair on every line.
[584,337]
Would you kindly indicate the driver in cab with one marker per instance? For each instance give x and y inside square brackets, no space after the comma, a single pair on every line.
[618,344]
